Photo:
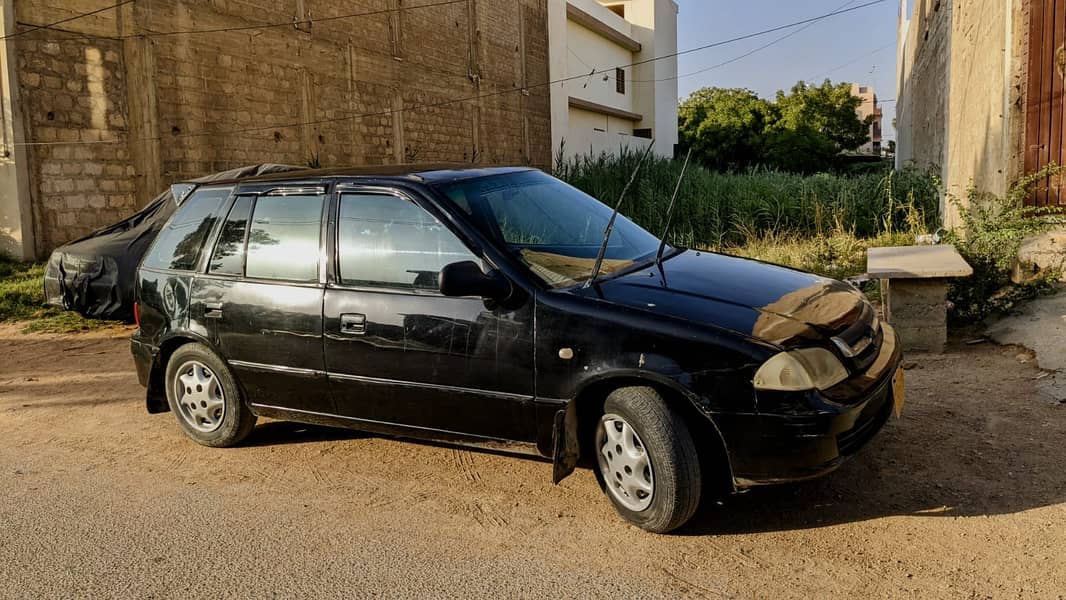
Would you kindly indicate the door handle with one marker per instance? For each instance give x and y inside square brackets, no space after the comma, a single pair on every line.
[353,324]
[212,310]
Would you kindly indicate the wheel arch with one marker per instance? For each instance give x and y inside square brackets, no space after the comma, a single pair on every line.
[586,408]
[156,396]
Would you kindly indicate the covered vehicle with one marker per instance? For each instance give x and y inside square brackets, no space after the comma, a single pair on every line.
[95,275]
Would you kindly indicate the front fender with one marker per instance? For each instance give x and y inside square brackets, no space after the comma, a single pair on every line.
[566,439]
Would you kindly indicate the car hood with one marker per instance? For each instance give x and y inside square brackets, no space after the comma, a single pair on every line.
[767,302]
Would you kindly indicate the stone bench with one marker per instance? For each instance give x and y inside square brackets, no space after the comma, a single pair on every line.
[914,286]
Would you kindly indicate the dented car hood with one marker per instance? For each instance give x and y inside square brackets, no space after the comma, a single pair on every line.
[775,304]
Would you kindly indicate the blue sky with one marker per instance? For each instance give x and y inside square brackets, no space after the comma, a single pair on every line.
[810,54]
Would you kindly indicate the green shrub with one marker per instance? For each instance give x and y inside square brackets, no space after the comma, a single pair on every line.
[992,231]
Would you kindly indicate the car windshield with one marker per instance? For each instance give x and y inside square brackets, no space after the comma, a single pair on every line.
[555,229]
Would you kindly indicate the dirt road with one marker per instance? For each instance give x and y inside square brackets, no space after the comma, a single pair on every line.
[965,497]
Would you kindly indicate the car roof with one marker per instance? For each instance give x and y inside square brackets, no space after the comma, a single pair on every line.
[422,172]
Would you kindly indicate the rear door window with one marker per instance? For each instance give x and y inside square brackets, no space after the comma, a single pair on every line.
[284,237]
[178,245]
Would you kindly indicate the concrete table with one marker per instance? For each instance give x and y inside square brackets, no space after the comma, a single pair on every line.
[914,287]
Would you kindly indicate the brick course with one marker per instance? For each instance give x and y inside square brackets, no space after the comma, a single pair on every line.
[162,96]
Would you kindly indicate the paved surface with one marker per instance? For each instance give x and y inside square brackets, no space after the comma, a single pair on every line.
[1040,326]
[965,497]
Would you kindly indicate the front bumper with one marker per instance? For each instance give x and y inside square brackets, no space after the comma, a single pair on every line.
[811,433]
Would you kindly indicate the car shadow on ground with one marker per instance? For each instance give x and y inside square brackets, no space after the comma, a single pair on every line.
[275,433]
[963,471]
[963,448]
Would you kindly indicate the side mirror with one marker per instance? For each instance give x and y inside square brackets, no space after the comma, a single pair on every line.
[467,279]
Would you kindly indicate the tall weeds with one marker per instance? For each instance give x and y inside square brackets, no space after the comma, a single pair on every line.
[723,210]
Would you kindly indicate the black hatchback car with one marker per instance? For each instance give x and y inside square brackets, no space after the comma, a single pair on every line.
[459,304]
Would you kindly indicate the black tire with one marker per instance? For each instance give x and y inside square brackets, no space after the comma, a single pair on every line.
[671,452]
[236,420]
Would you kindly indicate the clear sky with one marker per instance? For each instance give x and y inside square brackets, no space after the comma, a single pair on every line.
[810,54]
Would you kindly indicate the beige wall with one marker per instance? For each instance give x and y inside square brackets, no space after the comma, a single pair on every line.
[595,133]
[151,93]
[588,49]
[650,96]
[959,98]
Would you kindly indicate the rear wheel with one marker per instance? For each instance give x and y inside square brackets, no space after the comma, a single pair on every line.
[205,398]
[647,461]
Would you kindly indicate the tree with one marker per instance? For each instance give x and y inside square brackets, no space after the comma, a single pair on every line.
[828,109]
[725,127]
[803,130]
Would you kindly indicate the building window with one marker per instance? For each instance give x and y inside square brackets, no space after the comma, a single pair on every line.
[642,133]
[620,81]
[618,9]
[862,90]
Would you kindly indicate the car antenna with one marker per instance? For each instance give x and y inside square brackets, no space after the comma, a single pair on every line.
[670,211]
[614,215]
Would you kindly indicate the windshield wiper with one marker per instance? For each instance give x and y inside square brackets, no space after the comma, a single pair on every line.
[670,211]
[614,215]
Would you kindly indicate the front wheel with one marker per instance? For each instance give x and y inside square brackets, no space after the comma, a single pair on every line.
[204,396]
[647,461]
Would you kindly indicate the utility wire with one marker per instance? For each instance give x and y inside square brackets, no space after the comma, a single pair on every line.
[290,23]
[742,56]
[67,20]
[855,60]
[466,98]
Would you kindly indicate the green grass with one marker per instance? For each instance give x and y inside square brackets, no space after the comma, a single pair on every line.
[22,300]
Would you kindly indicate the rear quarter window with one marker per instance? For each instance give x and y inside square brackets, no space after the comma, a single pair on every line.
[179,245]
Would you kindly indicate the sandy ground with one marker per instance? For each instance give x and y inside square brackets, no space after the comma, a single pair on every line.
[965,497]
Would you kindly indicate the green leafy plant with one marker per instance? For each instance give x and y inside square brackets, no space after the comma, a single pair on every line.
[992,232]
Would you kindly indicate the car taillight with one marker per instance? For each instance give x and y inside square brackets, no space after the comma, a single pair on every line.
[137,313]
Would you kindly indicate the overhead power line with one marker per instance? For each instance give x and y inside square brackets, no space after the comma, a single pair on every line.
[466,98]
[290,23]
[67,20]
[742,56]
[854,60]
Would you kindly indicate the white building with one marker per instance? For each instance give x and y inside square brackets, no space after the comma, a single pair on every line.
[627,106]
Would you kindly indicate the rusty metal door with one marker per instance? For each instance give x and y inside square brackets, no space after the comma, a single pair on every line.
[1045,133]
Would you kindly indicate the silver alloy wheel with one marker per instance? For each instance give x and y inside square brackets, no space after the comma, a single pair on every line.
[199,396]
[624,463]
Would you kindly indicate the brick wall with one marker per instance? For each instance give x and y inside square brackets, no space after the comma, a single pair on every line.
[164,98]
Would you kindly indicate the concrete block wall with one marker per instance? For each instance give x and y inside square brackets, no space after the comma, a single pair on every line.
[183,105]
[962,76]
[74,96]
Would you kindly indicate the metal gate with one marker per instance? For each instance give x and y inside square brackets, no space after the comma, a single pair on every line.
[1045,134]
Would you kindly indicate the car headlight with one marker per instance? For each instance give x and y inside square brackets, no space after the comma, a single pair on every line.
[796,370]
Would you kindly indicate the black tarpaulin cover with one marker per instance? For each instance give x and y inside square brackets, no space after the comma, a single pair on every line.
[95,274]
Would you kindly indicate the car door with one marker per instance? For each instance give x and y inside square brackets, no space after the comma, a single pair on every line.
[261,296]
[397,351]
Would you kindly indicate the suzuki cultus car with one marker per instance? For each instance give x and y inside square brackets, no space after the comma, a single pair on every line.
[467,305]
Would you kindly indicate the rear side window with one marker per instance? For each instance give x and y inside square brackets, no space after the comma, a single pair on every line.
[388,241]
[179,244]
[283,239]
[228,257]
